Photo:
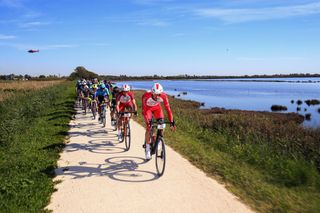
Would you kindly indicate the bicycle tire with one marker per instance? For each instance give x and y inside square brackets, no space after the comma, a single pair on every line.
[160,153]
[122,133]
[94,110]
[128,137]
[104,120]
[115,122]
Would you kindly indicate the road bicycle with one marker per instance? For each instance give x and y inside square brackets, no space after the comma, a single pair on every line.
[114,117]
[158,147]
[125,127]
[93,107]
[85,104]
[103,114]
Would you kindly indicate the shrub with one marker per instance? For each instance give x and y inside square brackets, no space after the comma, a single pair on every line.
[312,102]
[278,108]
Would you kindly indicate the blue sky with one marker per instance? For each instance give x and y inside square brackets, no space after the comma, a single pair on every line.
[164,37]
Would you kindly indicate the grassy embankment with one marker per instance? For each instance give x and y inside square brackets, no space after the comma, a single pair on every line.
[32,129]
[12,88]
[266,159]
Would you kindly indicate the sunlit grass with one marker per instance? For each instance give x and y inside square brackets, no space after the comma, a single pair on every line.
[9,88]
[267,159]
[32,129]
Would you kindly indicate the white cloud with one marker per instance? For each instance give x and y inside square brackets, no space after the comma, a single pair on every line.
[252,59]
[33,24]
[21,46]
[11,3]
[151,2]
[57,46]
[5,37]
[153,23]
[259,14]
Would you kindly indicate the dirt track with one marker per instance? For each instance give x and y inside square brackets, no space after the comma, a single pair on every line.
[98,175]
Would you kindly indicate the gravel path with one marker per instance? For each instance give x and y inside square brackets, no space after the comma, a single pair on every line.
[98,175]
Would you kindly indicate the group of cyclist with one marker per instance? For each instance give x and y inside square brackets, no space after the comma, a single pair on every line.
[121,100]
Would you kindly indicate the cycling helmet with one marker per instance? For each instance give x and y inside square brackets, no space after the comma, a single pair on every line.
[102,86]
[116,89]
[84,82]
[157,89]
[94,86]
[126,88]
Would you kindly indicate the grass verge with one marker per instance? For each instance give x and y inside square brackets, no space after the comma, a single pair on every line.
[32,129]
[266,159]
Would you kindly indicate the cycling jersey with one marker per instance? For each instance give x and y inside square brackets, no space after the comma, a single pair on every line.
[151,106]
[125,100]
[85,91]
[101,94]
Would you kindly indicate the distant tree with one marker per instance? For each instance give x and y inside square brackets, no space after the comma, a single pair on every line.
[42,76]
[81,72]
[26,76]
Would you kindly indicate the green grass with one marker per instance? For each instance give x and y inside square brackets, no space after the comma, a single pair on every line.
[266,159]
[32,129]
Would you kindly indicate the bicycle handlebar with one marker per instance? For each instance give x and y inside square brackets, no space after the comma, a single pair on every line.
[126,112]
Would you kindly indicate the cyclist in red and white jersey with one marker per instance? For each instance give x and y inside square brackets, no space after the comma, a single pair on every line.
[125,101]
[151,106]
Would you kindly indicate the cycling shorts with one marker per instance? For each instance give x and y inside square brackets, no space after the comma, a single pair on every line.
[124,107]
[147,114]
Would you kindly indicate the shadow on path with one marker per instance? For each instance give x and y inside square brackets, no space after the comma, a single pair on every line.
[122,168]
[101,147]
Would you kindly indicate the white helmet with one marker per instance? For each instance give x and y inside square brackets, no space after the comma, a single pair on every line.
[126,88]
[157,88]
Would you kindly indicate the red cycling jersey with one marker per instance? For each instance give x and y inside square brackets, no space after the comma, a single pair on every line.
[125,100]
[151,106]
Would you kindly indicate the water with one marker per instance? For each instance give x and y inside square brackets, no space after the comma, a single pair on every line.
[246,94]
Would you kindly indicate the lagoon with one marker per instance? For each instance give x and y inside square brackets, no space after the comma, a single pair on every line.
[246,94]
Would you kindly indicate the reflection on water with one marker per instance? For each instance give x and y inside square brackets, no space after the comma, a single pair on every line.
[246,95]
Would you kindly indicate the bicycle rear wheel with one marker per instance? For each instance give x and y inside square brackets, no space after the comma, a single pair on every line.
[104,120]
[160,156]
[128,137]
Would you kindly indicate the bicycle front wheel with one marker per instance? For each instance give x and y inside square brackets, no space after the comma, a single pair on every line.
[128,137]
[160,156]
[94,110]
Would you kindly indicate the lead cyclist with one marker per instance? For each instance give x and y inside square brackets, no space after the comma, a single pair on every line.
[151,107]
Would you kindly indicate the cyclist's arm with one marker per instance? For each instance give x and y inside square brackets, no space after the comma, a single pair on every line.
[117,106]
[144,105]
[167,106]
[134,105]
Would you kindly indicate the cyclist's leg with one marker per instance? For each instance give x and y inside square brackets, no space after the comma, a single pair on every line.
[120,119]
[147,115]
[128,108]
[112,109]
[159,116]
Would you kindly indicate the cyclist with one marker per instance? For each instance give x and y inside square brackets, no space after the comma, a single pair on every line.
[92,96]
[78,90]
[125,101]
[151,106]
[114,92]
[84,94]
[102,96]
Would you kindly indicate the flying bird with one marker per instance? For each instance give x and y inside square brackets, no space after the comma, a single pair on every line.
[33,51]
